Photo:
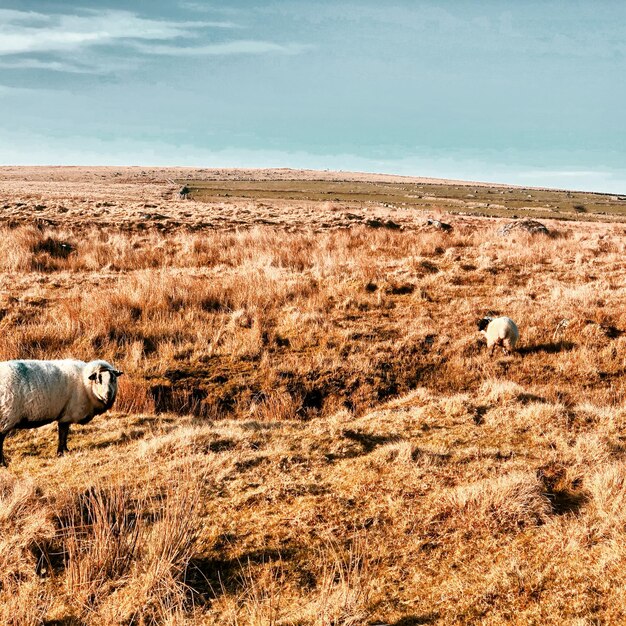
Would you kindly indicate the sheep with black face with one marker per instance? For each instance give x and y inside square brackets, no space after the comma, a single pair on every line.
[34,393]
[501,331]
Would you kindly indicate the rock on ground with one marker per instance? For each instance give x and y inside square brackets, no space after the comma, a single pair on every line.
[530,226]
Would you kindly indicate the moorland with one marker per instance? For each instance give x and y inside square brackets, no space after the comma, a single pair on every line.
[310,429]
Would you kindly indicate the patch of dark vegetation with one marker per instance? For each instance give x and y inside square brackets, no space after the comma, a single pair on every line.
[376,223]
[478,414]
[565,501]
[416,620]
[185,400]
[49,558]
[48,343]
[429,267]
[313,399]
[56,248]
[282,342]
[224,387]
[565,496]
[401,289]
[611,331]
[428,341]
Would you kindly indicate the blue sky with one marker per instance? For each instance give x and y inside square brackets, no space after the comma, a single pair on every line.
[526,92]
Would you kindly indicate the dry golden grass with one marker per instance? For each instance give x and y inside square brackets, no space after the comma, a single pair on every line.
[310,430]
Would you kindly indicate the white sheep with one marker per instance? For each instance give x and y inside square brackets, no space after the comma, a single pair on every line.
[500,331]
[34,393]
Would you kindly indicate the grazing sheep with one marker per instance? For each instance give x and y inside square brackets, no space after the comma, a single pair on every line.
[500,331]
[34,393]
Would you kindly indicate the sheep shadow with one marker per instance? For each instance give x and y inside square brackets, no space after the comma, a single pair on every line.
[547,348]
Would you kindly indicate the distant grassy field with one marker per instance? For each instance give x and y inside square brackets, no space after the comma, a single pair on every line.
[494,201]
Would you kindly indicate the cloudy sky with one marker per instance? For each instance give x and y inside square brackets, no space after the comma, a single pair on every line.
[526,92]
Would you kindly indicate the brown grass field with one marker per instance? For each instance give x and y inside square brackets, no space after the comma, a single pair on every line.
[310,430]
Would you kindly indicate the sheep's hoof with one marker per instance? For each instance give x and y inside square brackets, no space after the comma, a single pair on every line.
[62,452]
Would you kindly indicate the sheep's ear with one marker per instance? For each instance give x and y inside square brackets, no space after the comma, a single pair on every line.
[483,323]
[93,376]
[117,373]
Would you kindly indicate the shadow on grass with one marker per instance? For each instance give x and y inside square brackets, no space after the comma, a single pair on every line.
[208,578]
[564,501]
[479,414]
[564,496]
[547,348]
[368,441]
[416,620]
[526,398]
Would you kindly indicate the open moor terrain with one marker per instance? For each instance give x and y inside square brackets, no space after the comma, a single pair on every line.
[310,429]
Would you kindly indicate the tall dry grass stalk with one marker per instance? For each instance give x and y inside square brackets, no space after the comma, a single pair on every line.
[25,527]
[126,550]
[343,595]
[100,530]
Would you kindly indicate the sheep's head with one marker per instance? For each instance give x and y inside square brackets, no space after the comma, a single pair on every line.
[102,378]
[483,323]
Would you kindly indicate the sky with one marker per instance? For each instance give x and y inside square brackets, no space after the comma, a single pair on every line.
[528,93]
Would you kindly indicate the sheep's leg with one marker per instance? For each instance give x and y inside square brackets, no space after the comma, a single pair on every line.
[64,430]
[3,463]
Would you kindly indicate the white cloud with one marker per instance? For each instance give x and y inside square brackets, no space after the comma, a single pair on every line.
[54,66]
[28,32]
[38,41]
[224,48]
[10,15]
